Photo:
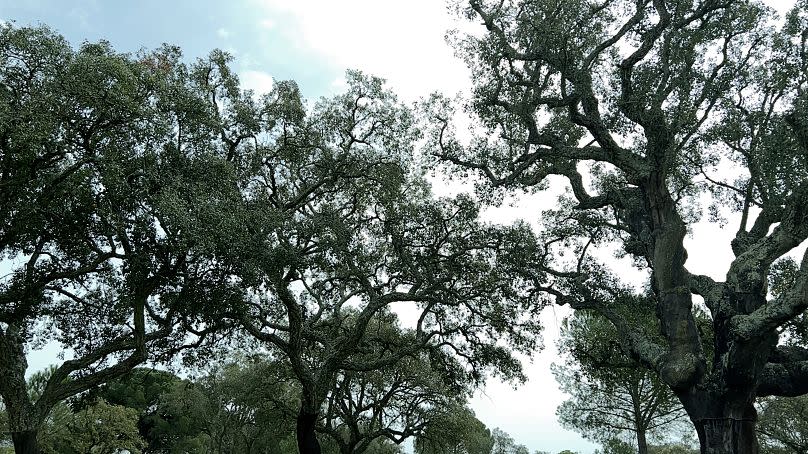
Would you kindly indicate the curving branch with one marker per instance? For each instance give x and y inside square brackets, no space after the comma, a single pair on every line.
[784,379]
[707,288]
[775,313]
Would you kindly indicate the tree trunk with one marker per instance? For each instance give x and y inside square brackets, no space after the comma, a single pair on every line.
[23,427]
[306,436]
[727,436]
[725,425]
[25,442]
[642,443]
[23,422]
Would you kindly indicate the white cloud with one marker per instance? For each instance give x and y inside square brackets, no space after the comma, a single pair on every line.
[223,33]
[268,24]
[782,6]
[340,83]
[257,81]
[400,41]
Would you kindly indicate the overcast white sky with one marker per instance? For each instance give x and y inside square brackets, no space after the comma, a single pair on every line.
[314,42]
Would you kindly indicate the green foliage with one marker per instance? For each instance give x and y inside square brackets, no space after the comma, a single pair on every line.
[783,425]
[502,443]
[334,251]
[89,159]
[250,401]
[179,420]
[4,429]
[610,397]
[617,446]
[457,431]
[140,389]
[376,446]
[332,223]
[147,197]
[672,448]
[652,114]
[99,428]
[389,404]
[38,381]
[237,408]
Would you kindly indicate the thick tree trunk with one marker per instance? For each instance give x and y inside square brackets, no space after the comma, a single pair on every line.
[306,436]
[23,422]
[23,431]
[727,436]
[25,442]
[725,425]
[684,364]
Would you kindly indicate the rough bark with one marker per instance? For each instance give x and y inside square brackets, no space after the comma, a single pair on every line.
[684,363]
[726,435]
[306,436]
[25,442]
[23,420]
[725,422]
[721,404]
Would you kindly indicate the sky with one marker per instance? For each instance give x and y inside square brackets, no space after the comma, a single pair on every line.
[313,42]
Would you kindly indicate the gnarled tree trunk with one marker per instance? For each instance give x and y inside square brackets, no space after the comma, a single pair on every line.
[727,436]
[725,424]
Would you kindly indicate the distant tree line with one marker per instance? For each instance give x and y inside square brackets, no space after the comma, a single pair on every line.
[249,406]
